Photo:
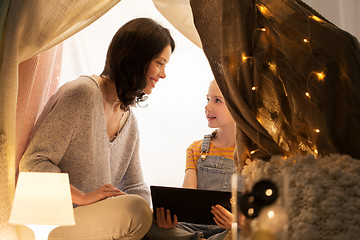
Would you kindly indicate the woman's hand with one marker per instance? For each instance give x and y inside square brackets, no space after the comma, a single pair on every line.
[105,191]
[223,217]
[163,219]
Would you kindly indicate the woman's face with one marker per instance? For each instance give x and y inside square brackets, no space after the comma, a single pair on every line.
[156,69]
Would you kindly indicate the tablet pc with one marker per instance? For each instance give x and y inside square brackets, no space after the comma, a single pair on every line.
[190,205]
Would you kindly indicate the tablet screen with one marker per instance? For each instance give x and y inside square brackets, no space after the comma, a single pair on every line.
[190,205]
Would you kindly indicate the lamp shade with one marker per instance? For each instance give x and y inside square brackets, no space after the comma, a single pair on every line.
[42,199]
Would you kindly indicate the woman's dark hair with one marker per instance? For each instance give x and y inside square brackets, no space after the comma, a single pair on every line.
[130,53]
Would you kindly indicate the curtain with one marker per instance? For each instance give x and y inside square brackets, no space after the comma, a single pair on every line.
[39,78]
[291,87]
[29,28]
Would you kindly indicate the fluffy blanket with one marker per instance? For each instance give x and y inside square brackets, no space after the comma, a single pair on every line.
[321,195]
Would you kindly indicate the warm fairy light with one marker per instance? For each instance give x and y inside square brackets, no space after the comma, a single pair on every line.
[254,151]
[253,88]
[316,151]
[317,130]
[271,214]
[261,29]
[308,94]
[268,192]
[272,67]
[244,57]
[251,211]
[305,40]
[316,18]
[264,10]
[320,76]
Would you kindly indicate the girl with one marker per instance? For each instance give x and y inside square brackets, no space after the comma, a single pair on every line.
[209,165]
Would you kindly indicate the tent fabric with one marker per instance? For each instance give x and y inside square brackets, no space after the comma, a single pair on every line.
[4,9]
[6,231]
[289,84]
[39,78]
[179,13]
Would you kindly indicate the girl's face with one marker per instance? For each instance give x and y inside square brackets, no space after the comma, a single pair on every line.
[156,69]
[216,111]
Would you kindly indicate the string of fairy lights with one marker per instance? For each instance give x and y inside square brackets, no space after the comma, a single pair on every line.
[319,75]
[277,213]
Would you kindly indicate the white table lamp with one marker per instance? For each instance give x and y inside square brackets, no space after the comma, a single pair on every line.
[42,202]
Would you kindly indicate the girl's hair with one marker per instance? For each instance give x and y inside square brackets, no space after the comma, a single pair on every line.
[130,53]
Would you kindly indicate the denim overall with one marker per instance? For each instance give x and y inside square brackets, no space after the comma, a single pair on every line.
[213,173]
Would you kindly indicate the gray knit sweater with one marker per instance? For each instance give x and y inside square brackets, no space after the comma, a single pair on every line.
[70,136]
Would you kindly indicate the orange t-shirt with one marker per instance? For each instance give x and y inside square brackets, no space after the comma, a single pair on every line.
[193,153]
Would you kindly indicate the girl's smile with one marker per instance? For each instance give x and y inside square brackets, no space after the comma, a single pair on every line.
[209,118]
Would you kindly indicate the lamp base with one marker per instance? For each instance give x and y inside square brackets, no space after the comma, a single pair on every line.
[41,232]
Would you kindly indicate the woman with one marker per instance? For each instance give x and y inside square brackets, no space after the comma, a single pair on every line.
[88,130]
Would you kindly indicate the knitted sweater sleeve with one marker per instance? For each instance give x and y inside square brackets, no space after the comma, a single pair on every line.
[59,121]
[133,181]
